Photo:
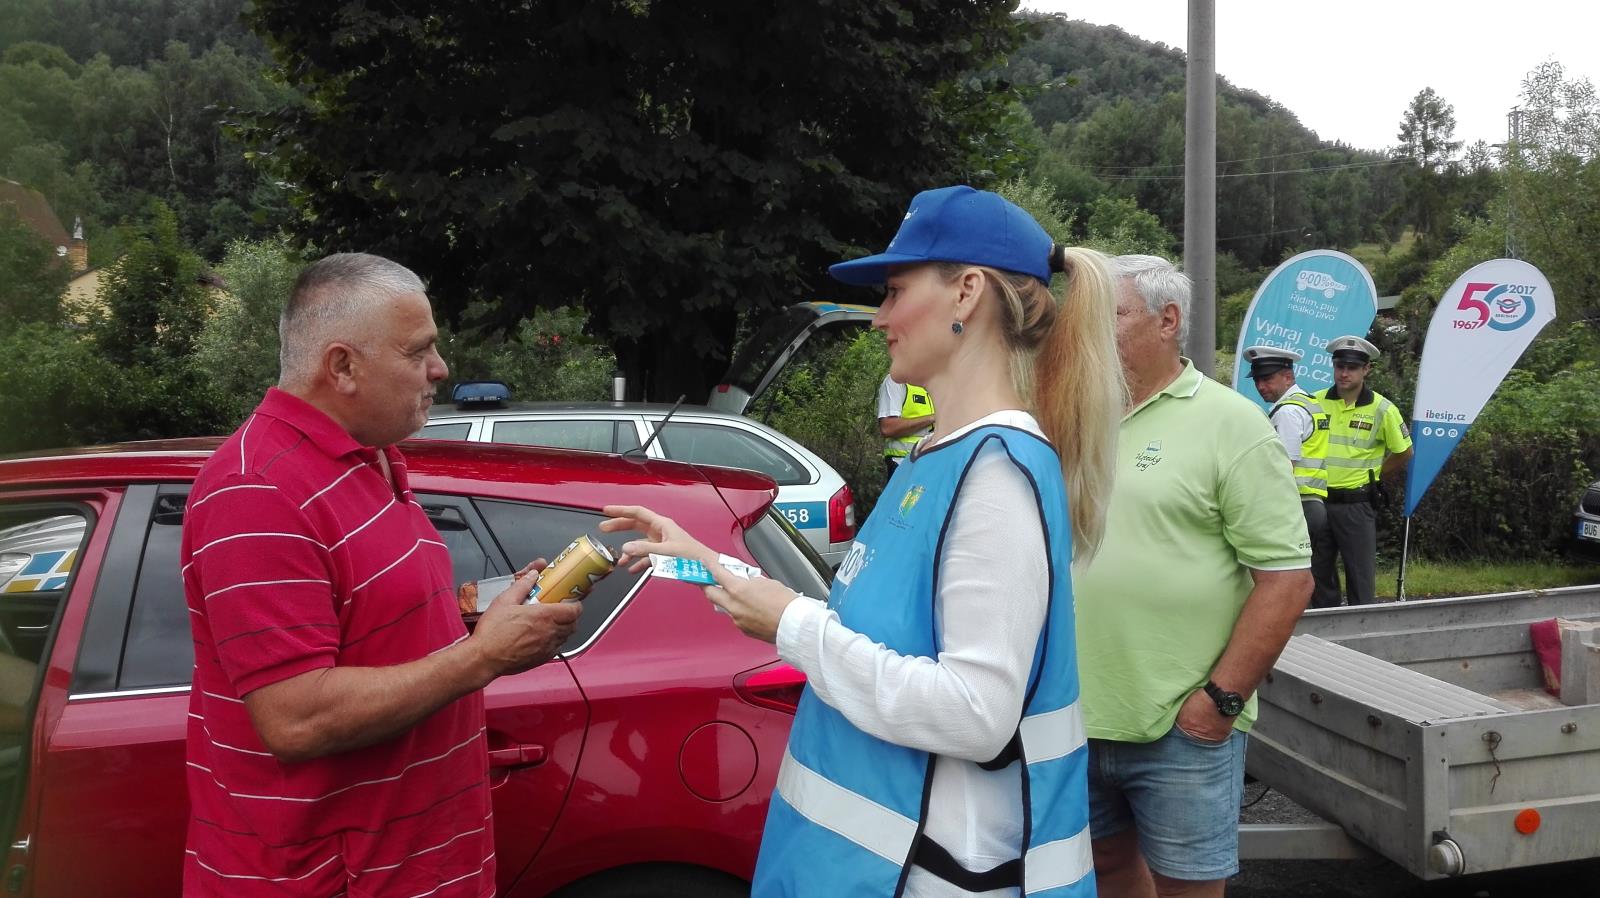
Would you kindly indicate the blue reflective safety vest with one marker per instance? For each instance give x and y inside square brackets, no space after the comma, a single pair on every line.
[847,814]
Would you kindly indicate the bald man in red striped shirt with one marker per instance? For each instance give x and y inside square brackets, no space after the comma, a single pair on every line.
[336,725]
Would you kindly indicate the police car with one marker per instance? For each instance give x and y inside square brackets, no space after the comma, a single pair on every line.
[811,494]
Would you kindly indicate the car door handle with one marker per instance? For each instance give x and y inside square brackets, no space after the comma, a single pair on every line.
[516,756]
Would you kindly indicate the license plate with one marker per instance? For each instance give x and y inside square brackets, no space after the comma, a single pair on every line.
[1589,529]
[805,515]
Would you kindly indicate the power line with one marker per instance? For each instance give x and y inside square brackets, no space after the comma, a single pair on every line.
[1220,162]
[1257,174]
[1300,230]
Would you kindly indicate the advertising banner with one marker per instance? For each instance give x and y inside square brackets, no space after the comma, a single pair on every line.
[1482,325]
[1307,301]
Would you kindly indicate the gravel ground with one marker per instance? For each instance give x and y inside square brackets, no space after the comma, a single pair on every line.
[1378,878]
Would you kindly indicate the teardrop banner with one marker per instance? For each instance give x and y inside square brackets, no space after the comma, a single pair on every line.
[1310,299]
[1479,330]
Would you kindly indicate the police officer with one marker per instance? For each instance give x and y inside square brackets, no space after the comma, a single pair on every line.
[905,416]
[1302,426]
[1367,441]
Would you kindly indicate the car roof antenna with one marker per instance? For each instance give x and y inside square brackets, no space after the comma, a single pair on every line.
[662,425]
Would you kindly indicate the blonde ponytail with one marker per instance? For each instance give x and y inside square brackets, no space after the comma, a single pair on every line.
[1064,360]
[1078,391]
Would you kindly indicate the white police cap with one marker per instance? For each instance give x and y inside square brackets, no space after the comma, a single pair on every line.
[1265,360]
[1353,348]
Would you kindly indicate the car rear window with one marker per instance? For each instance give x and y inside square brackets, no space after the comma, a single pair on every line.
[785,556]
[731,447]
[587,435]
[449,430]
[526,531]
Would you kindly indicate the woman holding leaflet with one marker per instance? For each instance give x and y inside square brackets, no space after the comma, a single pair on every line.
[938,748]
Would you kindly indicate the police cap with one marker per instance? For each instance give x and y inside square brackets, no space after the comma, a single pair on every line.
[1352,349]
[1266,360]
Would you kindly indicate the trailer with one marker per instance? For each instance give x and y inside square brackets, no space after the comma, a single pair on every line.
[1422,732]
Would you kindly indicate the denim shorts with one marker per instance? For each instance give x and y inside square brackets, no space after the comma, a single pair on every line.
[1181,794]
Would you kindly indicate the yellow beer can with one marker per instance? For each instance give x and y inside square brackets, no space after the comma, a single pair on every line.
[575,571]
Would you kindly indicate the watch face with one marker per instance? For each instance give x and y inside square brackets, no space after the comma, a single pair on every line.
[1229,704]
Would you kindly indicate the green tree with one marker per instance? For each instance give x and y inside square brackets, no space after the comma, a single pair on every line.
[1113,107]
[548,154]
[32,278]
[155,304]
[546,357]
[56,390]
[1118,226]
[237,349]
[1038,199]
[1426,129]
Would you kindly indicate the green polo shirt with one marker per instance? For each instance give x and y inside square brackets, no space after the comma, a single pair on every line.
[1203,495]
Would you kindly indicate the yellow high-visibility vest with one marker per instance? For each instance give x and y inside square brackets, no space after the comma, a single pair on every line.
[917,404]
[1356,441]
[1311,468]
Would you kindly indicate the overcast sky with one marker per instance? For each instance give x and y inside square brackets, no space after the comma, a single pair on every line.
[1348,69]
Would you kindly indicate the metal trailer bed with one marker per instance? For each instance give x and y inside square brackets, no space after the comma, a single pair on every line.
[1422,729]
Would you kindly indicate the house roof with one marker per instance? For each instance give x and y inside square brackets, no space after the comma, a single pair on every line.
[35,212]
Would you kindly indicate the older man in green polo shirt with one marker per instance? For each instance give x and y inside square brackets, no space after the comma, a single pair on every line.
[1204,570]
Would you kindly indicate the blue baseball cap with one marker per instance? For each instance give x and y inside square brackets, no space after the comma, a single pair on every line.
[958,224]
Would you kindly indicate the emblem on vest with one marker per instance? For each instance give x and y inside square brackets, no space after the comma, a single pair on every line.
[1150,457]
[1360,425]
[909,500]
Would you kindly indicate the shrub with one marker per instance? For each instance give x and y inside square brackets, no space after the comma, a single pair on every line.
[546,357]
[237,352]
[56,390]
[1508,490]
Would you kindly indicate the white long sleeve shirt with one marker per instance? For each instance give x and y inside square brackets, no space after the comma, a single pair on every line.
[964,705]
[1293,424]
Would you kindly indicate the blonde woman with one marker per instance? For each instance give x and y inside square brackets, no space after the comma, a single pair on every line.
[938,748]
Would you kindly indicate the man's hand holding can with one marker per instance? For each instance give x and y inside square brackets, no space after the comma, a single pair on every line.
[511,637]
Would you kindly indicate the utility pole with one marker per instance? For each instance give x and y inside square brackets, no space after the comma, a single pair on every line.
[1513,157]
[1200,184]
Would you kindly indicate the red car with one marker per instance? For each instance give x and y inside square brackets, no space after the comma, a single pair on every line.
[638,763]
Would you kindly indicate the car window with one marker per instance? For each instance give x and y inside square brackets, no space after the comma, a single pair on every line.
[446,430]
[159,649]
[588,435]
[627,436]
[526,531]
[730,447]
[453,517]
[785,556]
[39,549]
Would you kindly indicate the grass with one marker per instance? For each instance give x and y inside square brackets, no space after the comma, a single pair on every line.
[1369,253]
[1438,579]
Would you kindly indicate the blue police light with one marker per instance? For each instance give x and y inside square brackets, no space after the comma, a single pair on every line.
[480,393]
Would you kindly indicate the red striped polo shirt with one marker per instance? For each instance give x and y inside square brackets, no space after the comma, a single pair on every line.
[297,555]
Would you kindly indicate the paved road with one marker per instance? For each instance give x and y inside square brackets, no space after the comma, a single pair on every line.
[1379,878]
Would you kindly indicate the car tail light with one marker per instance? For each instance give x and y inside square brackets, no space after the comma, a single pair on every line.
[777,687]
[842,516]
[723,388]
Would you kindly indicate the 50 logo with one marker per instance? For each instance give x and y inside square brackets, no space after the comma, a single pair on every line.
[1502,307]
